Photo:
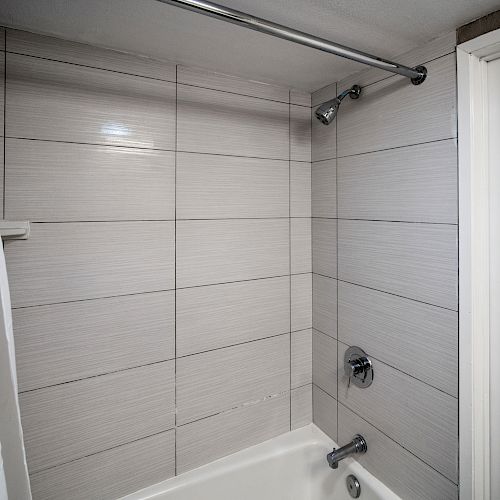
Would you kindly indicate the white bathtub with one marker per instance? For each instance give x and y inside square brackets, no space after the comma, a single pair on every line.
[290,467]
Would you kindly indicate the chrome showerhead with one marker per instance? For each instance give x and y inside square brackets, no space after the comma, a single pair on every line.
[327,112]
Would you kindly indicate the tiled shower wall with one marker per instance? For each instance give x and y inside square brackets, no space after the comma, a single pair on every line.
[162,304]
[385,272]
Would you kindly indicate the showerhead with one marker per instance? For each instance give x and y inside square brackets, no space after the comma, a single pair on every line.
[327,112]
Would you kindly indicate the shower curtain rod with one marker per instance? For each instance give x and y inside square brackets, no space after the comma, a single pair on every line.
[417,75]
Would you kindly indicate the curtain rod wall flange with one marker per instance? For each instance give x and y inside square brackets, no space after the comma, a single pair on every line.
[417,75]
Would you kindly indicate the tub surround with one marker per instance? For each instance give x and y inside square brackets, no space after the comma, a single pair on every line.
[385,271]
[163,300]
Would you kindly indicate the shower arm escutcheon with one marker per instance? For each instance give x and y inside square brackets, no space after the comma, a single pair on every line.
[417,75]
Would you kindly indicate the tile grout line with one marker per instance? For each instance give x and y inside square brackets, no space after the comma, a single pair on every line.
[175,275]
[139,148]
[290,252]
[4,119]
[337,125]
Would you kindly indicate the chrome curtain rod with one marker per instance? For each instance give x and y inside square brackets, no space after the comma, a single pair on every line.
[417,75]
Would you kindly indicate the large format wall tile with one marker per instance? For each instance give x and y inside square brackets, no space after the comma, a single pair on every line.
[398,469]
[210,317]
[63,342]
[324,188]
[399,113]
[46,47]
[214,437]
[300,189]
[2,88]
[417,261]
[1,176]
[219,81]
[70,421]
[52,181]
[301,361]
[301,301]
[324,307]
[300,98]
[223,379]
[209,121]
[324,247]
[217,187]
[83,260]
[231,250]
[422,419]
[414,183]
[418,339]
[64,102]
[301,406]
[111,473]
[300,133]
[300,245]
[324,352]
[325,412]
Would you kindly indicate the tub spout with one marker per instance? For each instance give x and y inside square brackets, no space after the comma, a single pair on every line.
[357,445]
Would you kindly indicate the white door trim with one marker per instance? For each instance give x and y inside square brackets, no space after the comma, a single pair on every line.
[474,276]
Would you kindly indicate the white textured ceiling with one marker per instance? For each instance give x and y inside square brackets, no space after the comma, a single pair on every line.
[383,27]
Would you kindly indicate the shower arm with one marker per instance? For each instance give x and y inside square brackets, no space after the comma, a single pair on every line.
[417,75]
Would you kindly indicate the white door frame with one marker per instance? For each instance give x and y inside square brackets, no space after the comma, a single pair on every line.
[474,276]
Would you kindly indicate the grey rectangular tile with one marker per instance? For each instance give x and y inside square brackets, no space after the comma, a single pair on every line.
[324,188]
[300,250]
[325,412]
[231,250]
[301,406]
[64,102]
[324,354]
[70,421]
[323,139]
[417,261]
[1,177]
[301,301]
[111,473]
[214,437]
[212,186]
[63,342]
[381,118]
[301,352]
[56,49]
[216,122]
[324,94]
[422,419]
[83,260]
[2,38]
[398,469]
[416,338]
[324,247]
[219,81]
[300,98]
[300,133]
[325,305]
[413,183]
[210,317]
[438,47]
[300,189]
[53,182]
[2,90]
[223,379]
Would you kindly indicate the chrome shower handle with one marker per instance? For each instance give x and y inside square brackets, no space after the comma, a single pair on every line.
[358,367]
